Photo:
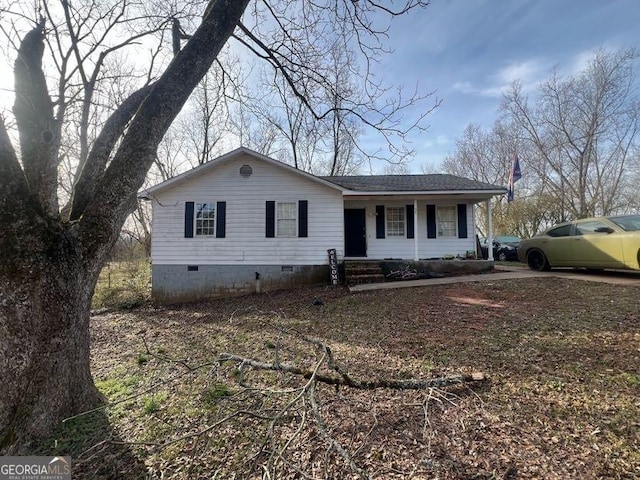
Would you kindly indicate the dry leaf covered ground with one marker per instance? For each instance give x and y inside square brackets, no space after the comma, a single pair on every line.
[562,399]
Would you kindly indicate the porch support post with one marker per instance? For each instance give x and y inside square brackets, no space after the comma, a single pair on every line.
[489,231]
[416,230]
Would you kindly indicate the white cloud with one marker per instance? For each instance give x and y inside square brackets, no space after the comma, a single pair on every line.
[530,73]
[525,72]
[439,140]
[465,87]
[580,61]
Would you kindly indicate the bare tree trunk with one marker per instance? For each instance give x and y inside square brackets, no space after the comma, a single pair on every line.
[44,337]
[49,266]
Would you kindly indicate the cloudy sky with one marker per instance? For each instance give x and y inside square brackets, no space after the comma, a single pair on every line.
[469,51]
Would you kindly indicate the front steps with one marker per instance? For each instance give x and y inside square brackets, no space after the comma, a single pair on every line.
[358,272]
[378,271]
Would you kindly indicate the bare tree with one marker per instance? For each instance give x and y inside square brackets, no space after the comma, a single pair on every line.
[207,120]
[324,97]
[343,145]
[582,130]
[486,156]
[577,144]
[324,146]
[191,141]
[49,261]
[50,265]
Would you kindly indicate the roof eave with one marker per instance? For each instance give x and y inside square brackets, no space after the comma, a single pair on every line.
[148,193]
[359,193]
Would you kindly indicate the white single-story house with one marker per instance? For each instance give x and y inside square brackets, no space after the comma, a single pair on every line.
[245,221]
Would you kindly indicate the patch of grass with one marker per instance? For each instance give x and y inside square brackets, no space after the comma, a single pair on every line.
[74,435]
[627,378]
[211,395]
[152,404]
[556,385]
[123,285]
[141,359]
[116,388]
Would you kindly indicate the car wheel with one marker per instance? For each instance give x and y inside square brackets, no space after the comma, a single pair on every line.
[502,256]
[537,261]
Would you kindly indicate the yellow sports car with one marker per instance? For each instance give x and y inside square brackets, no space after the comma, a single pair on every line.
[597,243]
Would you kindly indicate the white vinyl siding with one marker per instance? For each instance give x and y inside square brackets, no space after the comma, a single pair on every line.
[245,241]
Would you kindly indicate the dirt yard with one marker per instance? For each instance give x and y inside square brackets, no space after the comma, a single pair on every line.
[562,398]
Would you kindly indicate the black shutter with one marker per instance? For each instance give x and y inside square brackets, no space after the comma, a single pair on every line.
[221,219]
[431,221]
[410,223]
[379,221]
[270,227]
[462,220]
[188,220]
[303,213]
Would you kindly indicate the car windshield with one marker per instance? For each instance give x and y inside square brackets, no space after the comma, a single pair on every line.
[507,239]
[629,223]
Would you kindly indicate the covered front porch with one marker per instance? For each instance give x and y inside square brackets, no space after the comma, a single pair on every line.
[415,228]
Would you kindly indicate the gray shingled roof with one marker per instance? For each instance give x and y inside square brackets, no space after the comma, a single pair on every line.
[409,183]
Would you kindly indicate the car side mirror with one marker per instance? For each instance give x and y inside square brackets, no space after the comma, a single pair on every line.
[604,230]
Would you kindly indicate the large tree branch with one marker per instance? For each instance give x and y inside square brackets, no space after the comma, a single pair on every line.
[33,110]
[13,184]
[17,209]
[96,162]
[115,196]
[345,380]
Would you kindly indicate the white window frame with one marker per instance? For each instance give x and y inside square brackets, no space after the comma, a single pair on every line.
[293,218]
[204,226]
[396,225]
[450,232]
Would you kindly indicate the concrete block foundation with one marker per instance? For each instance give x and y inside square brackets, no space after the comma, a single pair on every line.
[184,283]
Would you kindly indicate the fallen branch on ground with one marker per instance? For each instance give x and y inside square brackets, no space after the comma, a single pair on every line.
[271,415]
[408,384]
[343,378]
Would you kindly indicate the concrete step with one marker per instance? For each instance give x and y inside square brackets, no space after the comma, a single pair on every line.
[359,272]
[363,270]
[367,278]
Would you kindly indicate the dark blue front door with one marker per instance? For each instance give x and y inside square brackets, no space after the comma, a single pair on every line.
[355,232]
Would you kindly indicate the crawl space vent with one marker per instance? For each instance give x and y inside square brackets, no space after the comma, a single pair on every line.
[246,171]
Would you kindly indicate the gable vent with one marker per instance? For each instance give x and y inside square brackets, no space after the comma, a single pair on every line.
[246,171]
